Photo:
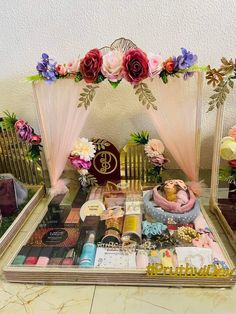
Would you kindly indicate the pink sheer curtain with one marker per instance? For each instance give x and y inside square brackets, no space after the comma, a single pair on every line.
[60,122]
[177,120]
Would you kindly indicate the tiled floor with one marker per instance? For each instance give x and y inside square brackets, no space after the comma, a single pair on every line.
[38,299]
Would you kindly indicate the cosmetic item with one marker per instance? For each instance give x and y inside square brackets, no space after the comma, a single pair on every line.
[132,228]
[142,259]
[87,257]
[33,256]
[69,259]
[54,237]
[166,258]
[91,223]
[58,256]
[73,218]
[91,208]
[81,198]
[21,256]
[67,202]
[54,216]
[114,257]
[194,256]
[113,223]
[44,257]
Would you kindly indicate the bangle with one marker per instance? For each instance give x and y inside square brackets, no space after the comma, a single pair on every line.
[187,234]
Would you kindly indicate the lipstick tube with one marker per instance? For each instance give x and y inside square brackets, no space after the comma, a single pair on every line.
[58,256]
[21,256]
[69,259]
[33,256]
[44,257]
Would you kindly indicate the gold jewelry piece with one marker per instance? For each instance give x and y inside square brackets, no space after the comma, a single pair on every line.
[187,234]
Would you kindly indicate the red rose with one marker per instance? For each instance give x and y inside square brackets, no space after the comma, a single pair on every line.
[91,65]
[232,163]
[35,139]
[169,65]
[135,65]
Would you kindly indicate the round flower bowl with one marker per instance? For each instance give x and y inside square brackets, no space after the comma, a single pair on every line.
[160,215]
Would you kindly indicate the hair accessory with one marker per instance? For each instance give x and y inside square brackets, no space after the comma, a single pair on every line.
[172,205]
[152,229]
[187,234]
[158,214]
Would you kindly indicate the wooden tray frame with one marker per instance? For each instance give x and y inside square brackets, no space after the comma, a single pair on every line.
[15,227]
[214,207]
[78,276]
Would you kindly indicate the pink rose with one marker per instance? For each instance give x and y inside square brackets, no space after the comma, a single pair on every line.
[154,64]
[112,65]
[232,132]
[79,163]
[61,69]
[135,65]
[154,148]
[158,160]
[19,123]
[73,66]
[91,65]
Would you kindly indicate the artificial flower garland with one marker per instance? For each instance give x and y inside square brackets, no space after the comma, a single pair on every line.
[25,133]
[122,60]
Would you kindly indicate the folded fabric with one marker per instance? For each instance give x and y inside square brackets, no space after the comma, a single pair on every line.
[174,207]
[20,190]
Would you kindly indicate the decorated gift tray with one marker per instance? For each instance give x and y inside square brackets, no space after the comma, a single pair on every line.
[118,234]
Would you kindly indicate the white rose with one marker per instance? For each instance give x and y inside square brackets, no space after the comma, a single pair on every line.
[112,65]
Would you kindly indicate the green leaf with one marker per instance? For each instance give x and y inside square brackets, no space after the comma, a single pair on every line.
[78,77]
[34,78]
[100,78]
[164,77]
[140,138]
[114,84]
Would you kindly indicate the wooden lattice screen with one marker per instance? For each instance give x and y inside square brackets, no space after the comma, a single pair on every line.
[14,160]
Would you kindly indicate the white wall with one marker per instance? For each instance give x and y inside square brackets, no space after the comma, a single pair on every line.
[68,28]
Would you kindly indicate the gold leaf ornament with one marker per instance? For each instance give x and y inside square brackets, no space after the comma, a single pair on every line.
[87,96]
[145,95]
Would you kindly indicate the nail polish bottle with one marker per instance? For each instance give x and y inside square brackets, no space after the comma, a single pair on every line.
[69,259]
[58,256]
[87,257]
[33,256]
[20,258]
[44,257]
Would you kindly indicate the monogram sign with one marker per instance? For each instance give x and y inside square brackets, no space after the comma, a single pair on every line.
[106,163]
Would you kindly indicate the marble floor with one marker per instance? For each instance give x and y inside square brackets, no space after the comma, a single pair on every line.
[38,299]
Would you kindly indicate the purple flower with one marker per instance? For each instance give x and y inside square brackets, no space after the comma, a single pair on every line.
[187,75]
[159,160]
[47,68]
[186,60]
[79,163]
[25,132]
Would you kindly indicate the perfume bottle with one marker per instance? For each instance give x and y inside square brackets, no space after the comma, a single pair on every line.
[87,257]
